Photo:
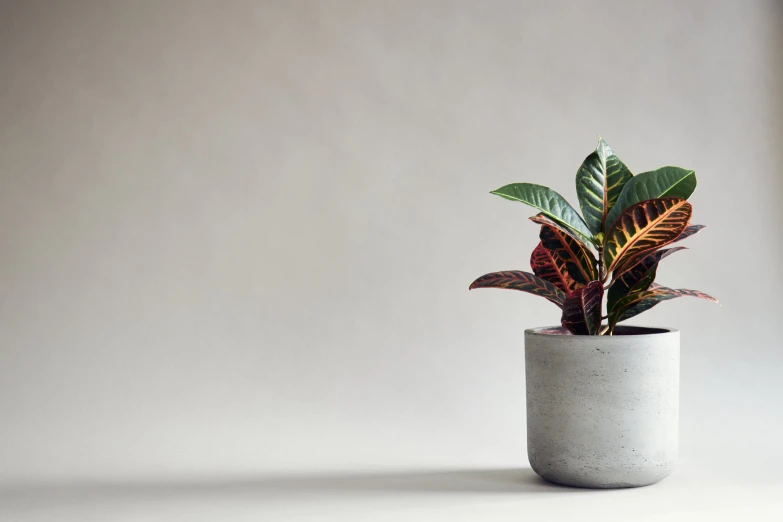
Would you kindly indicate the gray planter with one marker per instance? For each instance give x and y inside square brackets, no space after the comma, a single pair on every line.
[602,411]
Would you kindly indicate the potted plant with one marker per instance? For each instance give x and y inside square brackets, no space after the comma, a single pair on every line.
[603,398]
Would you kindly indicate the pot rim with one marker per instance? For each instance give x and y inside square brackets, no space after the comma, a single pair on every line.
[638,332]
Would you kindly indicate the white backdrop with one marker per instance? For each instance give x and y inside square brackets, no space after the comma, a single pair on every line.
[238,236]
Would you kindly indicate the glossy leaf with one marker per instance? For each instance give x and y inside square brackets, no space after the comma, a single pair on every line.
[541,219]
[549,202]
[643,227]
[549,267]
[582,310]
[599,182]
[689,231]
[661,183]
[636,276]
[579,261]
[636,303]
[522,281]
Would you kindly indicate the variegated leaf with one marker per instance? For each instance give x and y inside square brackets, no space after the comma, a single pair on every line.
[522,281]
[582,310]
[579,261]
[635,303]
[549,267]
[643,227]
[636,275]
[689,231]
[599,182]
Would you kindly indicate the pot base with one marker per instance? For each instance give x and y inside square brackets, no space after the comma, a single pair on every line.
[595,479]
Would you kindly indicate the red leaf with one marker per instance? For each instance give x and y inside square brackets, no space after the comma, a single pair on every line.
[549,267]
[582,310]
[578,260]
[638,302]
[522,281]
[689,231]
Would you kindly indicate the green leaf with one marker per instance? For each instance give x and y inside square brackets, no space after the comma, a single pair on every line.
[664,182]
[541,219]
[599,182]
[582,310]
[549,202]
[522,281]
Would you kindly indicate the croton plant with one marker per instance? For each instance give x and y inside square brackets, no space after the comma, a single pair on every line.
[612,250]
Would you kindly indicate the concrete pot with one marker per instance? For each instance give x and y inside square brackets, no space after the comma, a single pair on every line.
[602,411]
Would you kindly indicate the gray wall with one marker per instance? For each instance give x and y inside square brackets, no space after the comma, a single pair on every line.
[239,235]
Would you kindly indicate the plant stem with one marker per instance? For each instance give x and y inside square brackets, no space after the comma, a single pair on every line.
[602,277]
[601,272]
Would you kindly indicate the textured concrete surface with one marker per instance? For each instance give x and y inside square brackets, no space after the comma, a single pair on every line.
[602,412]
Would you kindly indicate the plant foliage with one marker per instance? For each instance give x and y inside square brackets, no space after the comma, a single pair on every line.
[613,251]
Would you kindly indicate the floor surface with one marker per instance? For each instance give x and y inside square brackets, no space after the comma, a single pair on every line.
[491,494]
